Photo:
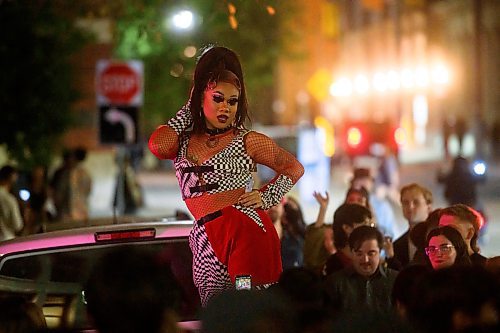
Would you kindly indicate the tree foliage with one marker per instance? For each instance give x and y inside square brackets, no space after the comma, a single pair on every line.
[35,84]
[257,38]
[39,36]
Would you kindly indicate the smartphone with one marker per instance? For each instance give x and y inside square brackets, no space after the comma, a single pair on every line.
[243,282]
[249,185]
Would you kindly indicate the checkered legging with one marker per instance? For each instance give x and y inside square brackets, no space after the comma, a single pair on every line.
[210,276]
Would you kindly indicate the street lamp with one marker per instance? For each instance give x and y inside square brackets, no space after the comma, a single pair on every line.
[182,20]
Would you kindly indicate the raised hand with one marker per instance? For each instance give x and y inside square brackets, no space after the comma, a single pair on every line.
[322,200]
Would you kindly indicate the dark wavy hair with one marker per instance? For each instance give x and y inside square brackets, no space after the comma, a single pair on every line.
[295,221]
[456,240]
[347,214]
[364,233]
[215,64]
[418,235]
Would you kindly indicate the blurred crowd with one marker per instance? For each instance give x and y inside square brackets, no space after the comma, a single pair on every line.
[348,275]
[31,199]
[345,273]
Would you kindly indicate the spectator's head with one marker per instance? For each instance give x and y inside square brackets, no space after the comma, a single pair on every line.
[276,212]
[293,220]
[445,248]
[346,218]
[80,154]
[302,286]
[466,220]
[8,175]
[461,165]
[248,311]
[358,196]
[366,243]
[69,158]
[303,289]
[493,265]
[292,202]
[130,291]
[403,290]
[416,202]
[18,315]
[362,178]
[418,235]
[456,299]
[181,215]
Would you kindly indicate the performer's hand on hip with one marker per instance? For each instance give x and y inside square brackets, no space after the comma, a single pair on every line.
[251,199]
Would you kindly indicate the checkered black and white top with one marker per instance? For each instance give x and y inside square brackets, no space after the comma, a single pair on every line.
[229,169]
[228,166]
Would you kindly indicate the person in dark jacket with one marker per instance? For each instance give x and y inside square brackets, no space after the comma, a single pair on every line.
[366,285]
[460,184]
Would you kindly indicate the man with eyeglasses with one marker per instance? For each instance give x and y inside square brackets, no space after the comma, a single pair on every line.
[366,285]
[467,221]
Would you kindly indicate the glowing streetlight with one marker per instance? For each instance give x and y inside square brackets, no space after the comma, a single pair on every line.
[407,78]
[182,20]
[440,74]
[393,80]
[421,77]
[379,82]
[341,88]
[361,84]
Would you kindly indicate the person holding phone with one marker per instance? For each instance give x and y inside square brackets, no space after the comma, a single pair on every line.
[214,156]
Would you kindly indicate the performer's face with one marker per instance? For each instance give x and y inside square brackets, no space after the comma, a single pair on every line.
[220,104]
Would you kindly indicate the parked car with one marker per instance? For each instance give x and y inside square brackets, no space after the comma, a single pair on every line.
[50,269]
[368,138]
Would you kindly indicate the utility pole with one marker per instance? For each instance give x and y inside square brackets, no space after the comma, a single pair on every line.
[478,70]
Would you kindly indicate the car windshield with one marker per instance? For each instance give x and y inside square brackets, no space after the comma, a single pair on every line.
[57,277]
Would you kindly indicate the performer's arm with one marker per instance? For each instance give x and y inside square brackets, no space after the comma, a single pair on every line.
[164,142]
[264,150]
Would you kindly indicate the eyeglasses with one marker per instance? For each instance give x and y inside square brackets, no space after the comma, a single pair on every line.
[443,249]
[219,99]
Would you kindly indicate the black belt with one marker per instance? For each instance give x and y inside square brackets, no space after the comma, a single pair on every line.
[209,217]
[199,168]
[204,188]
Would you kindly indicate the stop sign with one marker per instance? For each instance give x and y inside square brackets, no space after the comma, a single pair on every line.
[119,83]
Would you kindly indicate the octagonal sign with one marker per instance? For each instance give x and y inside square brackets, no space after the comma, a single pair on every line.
[119,82]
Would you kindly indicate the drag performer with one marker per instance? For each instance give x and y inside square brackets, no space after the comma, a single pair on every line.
[214,157]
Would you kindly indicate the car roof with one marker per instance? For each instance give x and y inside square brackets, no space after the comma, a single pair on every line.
[89,236]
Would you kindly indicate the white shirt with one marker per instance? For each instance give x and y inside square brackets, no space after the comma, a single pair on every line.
[10,215]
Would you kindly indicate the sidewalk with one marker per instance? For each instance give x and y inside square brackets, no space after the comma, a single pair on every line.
[162,195]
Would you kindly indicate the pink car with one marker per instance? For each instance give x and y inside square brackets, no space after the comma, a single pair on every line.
[51,268]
